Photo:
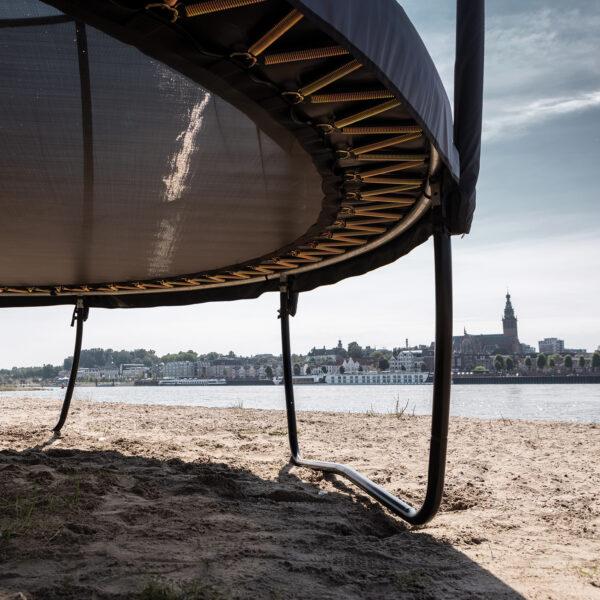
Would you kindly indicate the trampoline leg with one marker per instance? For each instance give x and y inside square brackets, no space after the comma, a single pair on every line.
[80,314]
[441,397]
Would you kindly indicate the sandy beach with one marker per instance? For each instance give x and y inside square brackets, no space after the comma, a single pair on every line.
[177,502]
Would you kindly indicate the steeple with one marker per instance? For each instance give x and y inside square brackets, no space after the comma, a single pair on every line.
[509,313]
[509,322]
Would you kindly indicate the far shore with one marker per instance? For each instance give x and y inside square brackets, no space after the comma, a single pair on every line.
[140,499]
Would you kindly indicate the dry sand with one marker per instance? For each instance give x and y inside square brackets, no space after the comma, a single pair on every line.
[176,502]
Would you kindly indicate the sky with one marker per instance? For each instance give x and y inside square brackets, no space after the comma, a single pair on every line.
[536,231]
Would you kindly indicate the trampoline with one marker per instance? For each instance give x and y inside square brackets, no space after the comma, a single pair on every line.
[166,153]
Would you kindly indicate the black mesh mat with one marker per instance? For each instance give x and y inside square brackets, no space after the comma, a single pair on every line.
[117,168]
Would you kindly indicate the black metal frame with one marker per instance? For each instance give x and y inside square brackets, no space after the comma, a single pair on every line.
[80,314]
[441,395]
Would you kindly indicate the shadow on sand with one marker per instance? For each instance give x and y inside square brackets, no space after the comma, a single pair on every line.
[98,524]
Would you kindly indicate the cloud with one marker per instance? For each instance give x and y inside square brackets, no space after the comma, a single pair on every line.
[518,117]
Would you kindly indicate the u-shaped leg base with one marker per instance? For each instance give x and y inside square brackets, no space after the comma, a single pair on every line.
[441,398]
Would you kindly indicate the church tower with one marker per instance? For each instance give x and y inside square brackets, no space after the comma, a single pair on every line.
[509,324]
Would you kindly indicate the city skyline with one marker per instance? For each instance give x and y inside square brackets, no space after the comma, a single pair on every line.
[532,232]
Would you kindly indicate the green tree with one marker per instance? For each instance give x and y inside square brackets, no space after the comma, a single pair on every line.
[190,355]
[342,370]
[510,363]
[355,351]
[568,362]
[552,362]
[596,360]
[528,363]
[499,362]
[269,372]
[323,369]
[541,361]
[384,364]
[296,369]
[581,362]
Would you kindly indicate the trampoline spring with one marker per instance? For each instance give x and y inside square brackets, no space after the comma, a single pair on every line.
[350,96]
[304,55]
[308,256]
[343,239]
[398,200]
[393,181]
[389,190]
[331,249]
[391,157]
[383,130]
[365,226]
[395,141]
[293,17]
[364,175]
[385,206]
[334,75]
[264,270]
[365,114]
[212,6]
[366,212]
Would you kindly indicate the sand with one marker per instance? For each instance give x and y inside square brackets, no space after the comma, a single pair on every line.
[179,502]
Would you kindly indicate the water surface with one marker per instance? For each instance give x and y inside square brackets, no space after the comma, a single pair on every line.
[568,402]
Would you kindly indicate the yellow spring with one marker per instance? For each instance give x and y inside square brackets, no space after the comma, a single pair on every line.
[389,190]
[205,8]
[365,114]
[384,130]
[304,55]
[391,157]
[351,96]
[342,71]
[392,181]
[364,175]
[395,200]
[275,32]
[395,141]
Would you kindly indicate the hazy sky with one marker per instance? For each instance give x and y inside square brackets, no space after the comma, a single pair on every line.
[536,229]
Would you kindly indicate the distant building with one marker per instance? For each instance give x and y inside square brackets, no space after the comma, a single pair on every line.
[471,350]
[179,369]
[132,370]
[551,346]
[325,355]
[350,366]
[406,360]
[376,378]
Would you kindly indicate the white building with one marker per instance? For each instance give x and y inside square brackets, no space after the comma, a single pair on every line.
[132,370]
[180,369]
[551,345]
[406,360]
[377,378]
[350,366]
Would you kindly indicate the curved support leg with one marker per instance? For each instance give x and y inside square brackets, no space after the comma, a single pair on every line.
[441,398]
[80,314]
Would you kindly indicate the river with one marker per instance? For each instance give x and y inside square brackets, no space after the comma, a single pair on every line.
[544,402]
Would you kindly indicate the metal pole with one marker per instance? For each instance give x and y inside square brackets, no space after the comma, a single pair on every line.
[284,316]
[80,314]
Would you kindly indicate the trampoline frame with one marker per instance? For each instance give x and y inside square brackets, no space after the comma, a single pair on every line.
[441,396]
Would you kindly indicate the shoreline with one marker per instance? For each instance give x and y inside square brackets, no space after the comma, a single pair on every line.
[197,494]
[408,413]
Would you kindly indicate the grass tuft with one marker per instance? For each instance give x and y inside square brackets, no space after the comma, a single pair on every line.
[161,589]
